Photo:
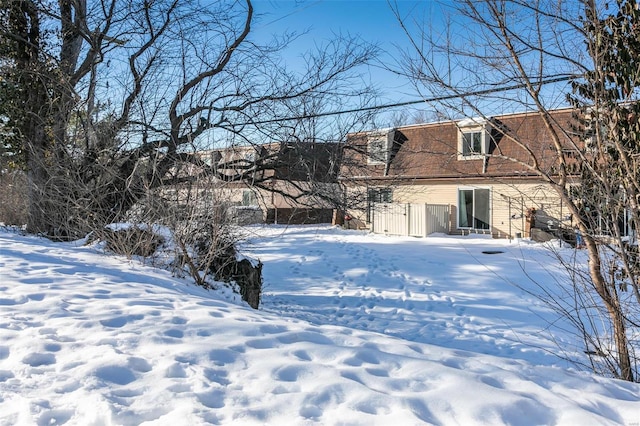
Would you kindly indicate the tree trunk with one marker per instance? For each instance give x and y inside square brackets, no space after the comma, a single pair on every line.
[611,301]
[37,222]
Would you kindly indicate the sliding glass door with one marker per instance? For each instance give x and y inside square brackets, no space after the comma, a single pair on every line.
[474,208]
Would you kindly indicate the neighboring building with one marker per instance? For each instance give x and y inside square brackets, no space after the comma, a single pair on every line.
[480,169]
[283,182]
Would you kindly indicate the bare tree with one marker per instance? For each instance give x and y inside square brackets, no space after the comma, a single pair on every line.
[113,98]
[504,54]
[114,107]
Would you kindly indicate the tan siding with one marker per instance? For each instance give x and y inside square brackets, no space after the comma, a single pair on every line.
[509,203]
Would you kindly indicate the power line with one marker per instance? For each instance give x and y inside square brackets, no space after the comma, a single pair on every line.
[414,102]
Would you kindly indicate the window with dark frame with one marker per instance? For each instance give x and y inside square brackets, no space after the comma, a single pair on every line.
[377,195]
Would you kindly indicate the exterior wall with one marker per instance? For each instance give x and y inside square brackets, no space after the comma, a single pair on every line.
[272,199]
[428,163]
[509,203]
[279,168]
[277,208]
[251,204]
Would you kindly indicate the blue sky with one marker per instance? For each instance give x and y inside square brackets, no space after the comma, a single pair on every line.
[373,20]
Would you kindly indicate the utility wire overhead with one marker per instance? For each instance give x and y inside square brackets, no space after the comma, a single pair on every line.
[414,102]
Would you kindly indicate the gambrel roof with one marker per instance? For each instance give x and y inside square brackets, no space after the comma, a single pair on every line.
[434,150]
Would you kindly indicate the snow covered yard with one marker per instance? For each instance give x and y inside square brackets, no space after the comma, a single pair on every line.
[354,329]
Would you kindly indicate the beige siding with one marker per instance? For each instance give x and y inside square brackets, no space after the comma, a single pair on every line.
[509,203]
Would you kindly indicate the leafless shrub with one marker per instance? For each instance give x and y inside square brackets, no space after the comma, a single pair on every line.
[131,241]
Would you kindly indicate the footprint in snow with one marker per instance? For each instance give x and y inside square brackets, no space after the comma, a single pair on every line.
[52,347]
[175,333]
[302,355]
[222,357]
[39,359]
[373,406]
[262,343]
[119,322]
[272,329]
[36,297]
[290,373]
[460,310]
[216,376]
[377,372]
[211,399]
[11,302]
[5,375]
[115,374]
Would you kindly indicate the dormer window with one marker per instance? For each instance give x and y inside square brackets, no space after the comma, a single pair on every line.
[378,147]
[473,140]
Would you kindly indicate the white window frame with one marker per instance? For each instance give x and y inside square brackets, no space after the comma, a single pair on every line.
[382,156]
[469,127]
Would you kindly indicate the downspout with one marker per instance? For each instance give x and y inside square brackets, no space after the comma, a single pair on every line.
[510,236]
[522,218]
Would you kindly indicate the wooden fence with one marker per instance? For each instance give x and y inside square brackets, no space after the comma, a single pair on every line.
[416,220]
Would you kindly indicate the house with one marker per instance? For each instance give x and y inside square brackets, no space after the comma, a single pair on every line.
[479,170]
[292,182]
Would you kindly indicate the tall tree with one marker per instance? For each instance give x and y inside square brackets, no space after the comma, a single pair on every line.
[608,109]
[523,46]
[109,99]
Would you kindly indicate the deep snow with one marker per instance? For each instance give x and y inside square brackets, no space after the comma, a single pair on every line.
[353,329]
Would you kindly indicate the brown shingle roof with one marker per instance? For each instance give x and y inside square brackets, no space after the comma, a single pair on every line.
[431,150]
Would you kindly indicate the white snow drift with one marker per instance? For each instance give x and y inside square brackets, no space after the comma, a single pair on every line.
[354,329]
